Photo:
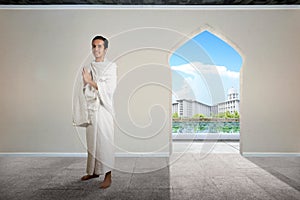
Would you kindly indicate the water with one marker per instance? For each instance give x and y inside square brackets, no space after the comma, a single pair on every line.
[205,127]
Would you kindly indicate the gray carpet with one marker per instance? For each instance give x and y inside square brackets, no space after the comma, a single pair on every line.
[191,176]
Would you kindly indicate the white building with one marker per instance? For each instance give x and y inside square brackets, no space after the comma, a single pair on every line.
[175,108]
[214,110]
[188,108]
[232,103]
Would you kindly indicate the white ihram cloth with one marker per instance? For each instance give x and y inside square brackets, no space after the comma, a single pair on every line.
[93,109]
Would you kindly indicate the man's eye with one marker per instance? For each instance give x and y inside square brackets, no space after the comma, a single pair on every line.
[93,46]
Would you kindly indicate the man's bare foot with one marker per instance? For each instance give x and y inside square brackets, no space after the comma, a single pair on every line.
[107,181]
[87,177]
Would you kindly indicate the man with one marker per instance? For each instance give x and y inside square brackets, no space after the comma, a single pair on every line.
[99,81]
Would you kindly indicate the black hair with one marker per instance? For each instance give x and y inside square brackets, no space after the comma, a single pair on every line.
[99,37]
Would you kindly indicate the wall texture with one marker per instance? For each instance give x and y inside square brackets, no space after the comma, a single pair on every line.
[42,50]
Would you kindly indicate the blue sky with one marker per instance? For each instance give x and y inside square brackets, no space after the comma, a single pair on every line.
[203,60]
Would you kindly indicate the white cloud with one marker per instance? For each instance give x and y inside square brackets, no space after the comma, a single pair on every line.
[193,69]
[223,71]
[186,91]
[187,69]
[194,84]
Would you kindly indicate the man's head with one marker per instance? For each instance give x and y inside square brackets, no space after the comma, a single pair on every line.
[99,47]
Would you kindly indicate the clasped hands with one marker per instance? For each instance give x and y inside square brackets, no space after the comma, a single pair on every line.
[87,78]
[86,75]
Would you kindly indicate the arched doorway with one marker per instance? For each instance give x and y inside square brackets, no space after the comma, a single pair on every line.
[206,88]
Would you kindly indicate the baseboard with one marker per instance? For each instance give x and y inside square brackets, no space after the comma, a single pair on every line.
[141,154]
[42,154]
[45,154]
[271,154]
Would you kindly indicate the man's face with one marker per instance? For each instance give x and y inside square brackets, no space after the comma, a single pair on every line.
[98,48]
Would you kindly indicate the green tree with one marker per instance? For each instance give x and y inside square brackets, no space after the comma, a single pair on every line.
[175,115]
[221,115]
[228,115]
[236,115]
[198,116]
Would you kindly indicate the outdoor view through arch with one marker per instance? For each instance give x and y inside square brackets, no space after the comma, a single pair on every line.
[206,88]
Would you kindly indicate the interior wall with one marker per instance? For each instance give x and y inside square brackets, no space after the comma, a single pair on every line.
[42,50]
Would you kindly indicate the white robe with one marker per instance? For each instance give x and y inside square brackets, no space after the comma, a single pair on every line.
[97,116]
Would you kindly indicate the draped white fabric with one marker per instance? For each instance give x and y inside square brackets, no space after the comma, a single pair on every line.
[98,114]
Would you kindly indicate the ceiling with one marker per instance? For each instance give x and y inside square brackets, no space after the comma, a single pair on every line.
[151,2]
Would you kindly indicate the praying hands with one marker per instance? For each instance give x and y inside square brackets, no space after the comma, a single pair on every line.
[87,78]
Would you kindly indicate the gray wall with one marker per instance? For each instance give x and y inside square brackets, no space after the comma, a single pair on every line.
[42,50]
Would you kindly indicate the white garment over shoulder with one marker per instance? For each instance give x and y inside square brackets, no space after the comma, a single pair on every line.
[105,76]
[100,115]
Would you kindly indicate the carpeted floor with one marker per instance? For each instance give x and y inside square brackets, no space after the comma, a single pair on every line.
[192,175]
